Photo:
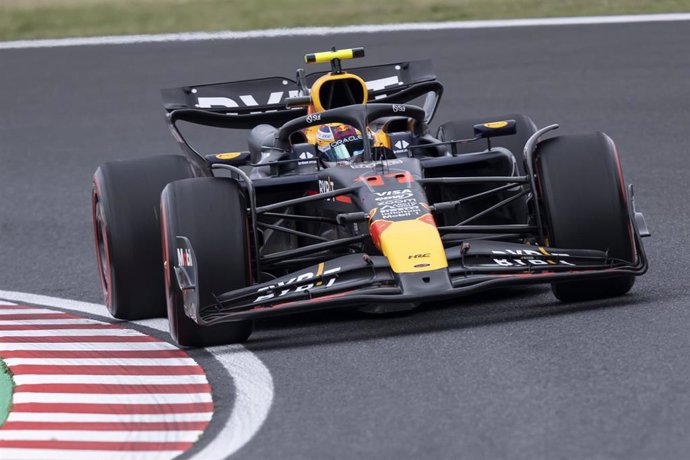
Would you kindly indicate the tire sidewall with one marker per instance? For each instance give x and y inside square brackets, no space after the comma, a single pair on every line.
[128,194]
[175,221]
[584,205]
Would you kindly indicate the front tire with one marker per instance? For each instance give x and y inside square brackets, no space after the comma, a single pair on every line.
[125,206]
[211,213]
[585,207]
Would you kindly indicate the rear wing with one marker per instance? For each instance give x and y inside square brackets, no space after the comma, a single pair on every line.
[243,104]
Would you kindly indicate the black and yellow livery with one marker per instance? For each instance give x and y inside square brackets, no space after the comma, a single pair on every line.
[415,215]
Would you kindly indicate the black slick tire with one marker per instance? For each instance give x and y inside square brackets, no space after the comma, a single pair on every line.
[125,208]
[210,212]
[585,207]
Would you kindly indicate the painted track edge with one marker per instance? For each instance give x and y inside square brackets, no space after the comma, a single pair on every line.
[354,29]
[253,381]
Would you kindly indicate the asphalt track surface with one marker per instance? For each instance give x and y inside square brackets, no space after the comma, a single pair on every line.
[512,374]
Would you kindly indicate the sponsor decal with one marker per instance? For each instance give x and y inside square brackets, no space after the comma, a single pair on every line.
[394,204]
[283,288]
[372,164]
[382,83]
[344,140]
[401,146]
[398,211]
[496,124]
[528,262]
[184,257]
[526,258]
[529,252]
[228,156]
[313,117]
[345,130]
[325,185]
[419,256]
[245,100]
[398,108]
[308,157]
[393,195]
[276,97]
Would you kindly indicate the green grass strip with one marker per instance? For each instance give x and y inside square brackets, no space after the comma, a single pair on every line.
[6,385]
[26,19]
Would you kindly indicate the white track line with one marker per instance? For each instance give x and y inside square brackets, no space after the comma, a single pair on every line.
[72,333]
[126,362]
[33,379]
[361,29]
[62,454]
[123,418]
[95,346]
[252,401]
[252,380]
[95,398]
[100,436]
[47,322]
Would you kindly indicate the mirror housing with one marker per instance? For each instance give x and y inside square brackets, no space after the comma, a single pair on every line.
[495,129]
[229,158]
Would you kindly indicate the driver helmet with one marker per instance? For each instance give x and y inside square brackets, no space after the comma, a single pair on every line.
[339,143]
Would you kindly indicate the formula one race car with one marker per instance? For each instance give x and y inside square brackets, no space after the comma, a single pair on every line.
[344,199]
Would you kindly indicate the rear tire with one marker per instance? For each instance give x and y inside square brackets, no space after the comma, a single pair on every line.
[464,129]
[125,206]
[211,213]
[585,207]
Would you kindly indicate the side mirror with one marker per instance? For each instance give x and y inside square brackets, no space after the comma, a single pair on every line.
[495,128]
[229,158]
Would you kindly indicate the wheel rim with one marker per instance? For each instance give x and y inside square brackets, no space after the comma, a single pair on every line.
[102,254]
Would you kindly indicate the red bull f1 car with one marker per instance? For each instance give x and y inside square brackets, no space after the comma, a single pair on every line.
[344,197]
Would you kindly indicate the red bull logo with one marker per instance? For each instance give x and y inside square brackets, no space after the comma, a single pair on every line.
[342,131]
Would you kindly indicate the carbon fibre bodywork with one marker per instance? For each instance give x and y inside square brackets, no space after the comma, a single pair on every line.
[412,221]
